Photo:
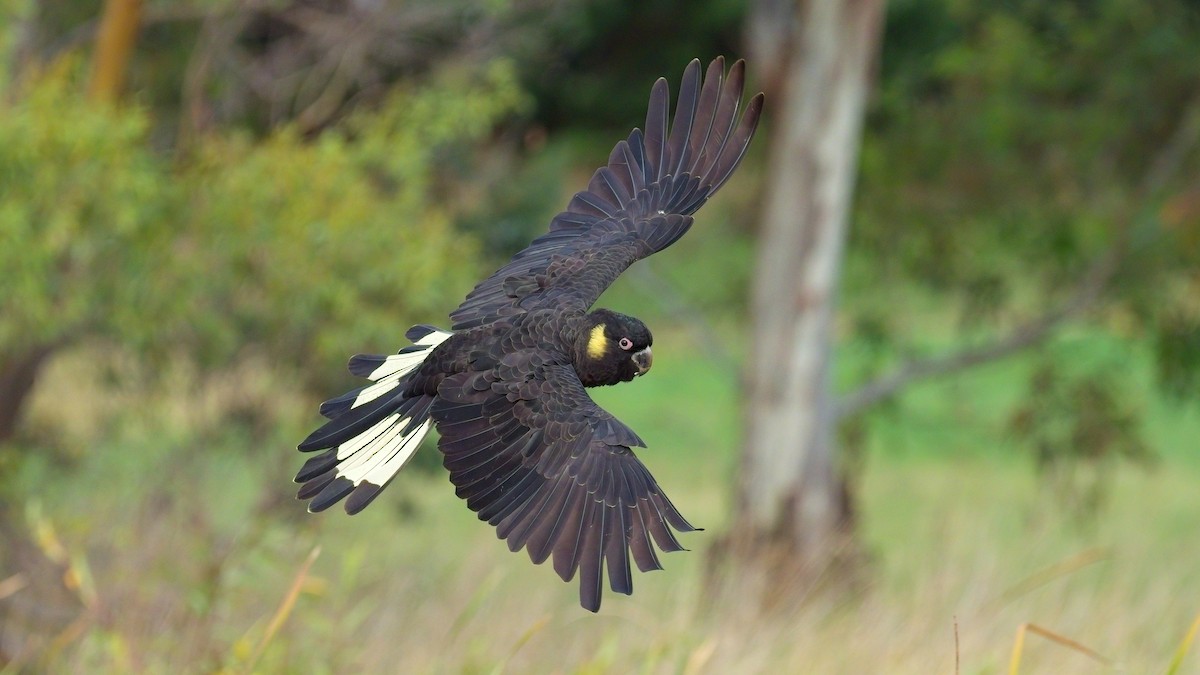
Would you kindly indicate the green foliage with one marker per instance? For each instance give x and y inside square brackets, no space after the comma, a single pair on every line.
[997,135]
[1010,148]
[307,249]
[1178,344]
[1078,425]
[82,206]
[327,247]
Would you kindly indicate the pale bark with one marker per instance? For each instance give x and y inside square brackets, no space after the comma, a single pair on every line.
[790,493]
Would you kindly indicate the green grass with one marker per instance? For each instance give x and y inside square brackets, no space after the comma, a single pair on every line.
[192,541]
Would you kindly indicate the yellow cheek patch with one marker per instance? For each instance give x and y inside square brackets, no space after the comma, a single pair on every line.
[597,342]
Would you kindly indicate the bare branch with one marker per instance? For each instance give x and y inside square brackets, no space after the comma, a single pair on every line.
[1088,292]
[1021,337]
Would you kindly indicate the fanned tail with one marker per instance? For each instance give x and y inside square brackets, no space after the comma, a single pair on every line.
[372,431]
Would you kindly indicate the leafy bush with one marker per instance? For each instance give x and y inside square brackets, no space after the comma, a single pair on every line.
[321,248]
[86,216]
[307,248]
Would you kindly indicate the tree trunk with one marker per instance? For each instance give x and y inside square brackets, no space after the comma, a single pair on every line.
[792,505]
[32,608]
[18,372]
[114,47]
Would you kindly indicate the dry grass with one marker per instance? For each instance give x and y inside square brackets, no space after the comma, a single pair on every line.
[437,593]
[198,560]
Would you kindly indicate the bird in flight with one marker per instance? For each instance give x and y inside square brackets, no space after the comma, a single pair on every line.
[506,386]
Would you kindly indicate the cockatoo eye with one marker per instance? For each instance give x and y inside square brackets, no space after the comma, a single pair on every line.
[625,343]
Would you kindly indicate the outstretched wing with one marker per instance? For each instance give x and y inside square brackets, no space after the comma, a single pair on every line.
[534,456]
[638,204]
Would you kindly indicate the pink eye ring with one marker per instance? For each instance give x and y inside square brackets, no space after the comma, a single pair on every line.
[625,343]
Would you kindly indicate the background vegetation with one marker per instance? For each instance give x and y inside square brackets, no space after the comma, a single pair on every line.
[284,184]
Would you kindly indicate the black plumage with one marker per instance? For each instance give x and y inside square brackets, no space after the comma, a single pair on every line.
[524,444]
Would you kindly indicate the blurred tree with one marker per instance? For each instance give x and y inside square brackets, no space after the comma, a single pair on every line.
[1079,427]
[21,361]
[318,249]
[792,509]
[308,250]
[995,130]
[1022,173]
[80,202]
[1053,183]
[303,248]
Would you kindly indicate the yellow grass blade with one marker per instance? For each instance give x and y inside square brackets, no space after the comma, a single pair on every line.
[1019,644]
[44,533]
[71,633]
[700,657]
[77,577]
[1059,569]
[521,642]
[1184,646]
[284,610]
[1014,663]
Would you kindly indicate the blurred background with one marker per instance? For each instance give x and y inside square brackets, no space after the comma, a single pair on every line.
[927,369]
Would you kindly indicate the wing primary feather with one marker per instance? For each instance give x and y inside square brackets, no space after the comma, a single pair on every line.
[591,201]
[655,520]
[636,179]
[724,119]
[514,495]
[606,184]
[639,542]
[591,558]
[623,489]
[673,516]
[622,158]
[616,551]
[544,530]
[484,490]
[483,478]
[639,537]
[473,456]
[516,520]
[637,149]
[685,113]
[566,549]
[659,530]
[706,110]
[520,525]
[725,166]
[656,129]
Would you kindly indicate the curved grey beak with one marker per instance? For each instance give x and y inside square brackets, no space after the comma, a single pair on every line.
[643,360]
